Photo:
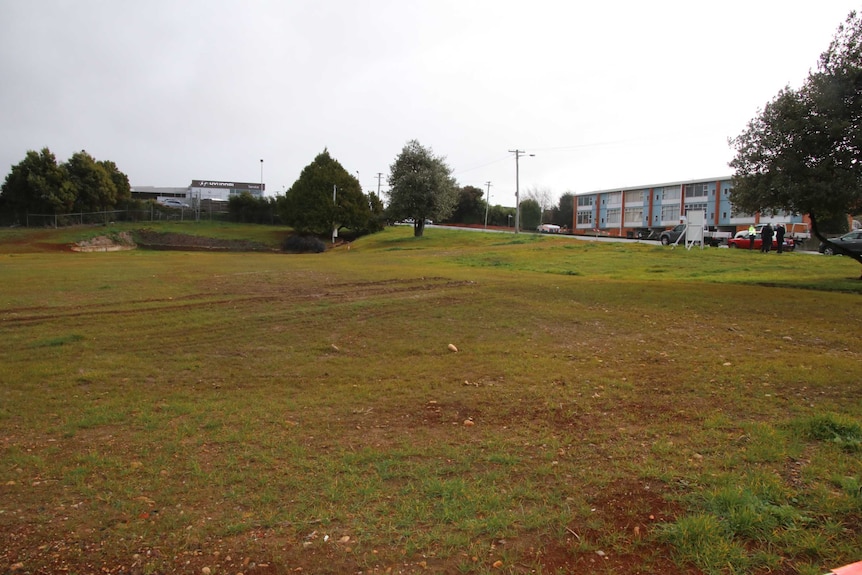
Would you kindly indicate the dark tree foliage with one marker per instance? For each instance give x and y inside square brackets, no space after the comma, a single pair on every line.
[378,213]
[421,187]
[38,185]
[245,208]
[531,214]
[94,189]
[120,180]
[308,205]
[470,208]
[500,216]
[803,153]
[564,213]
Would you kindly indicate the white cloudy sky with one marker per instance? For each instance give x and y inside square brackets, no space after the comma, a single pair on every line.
[605,94]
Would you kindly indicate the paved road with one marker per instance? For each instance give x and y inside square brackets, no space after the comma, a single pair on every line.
[578,237]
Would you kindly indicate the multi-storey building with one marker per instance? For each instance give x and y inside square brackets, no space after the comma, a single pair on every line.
[642,211]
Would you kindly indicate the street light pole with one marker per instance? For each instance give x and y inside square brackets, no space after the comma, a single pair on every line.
[261,177]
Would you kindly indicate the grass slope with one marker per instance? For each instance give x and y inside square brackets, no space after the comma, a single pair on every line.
[612,408]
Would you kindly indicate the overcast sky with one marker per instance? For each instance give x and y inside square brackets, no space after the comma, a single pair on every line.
[605,94]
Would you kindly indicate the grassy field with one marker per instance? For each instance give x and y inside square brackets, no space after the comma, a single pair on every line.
[611,408]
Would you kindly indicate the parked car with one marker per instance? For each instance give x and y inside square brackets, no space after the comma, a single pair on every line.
[172,203]
[851,241]
[742,241]
[548,229]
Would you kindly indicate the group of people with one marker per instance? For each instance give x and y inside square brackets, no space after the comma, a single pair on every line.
[767,234]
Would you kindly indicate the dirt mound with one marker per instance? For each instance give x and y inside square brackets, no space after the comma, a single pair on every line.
[111,243]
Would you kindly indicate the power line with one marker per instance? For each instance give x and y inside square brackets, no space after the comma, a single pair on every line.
[497,161]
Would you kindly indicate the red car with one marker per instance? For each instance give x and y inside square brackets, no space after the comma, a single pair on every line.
[743,241]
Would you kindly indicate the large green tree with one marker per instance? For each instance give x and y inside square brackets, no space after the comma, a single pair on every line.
[421,187]
[470,208]
[36,185]
[121,181]
[564,213]
[531,214]
[310,206]
[94,189]
[803,152]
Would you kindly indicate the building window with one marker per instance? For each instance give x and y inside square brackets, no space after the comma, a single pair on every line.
[634,216]
[585,201]
[696,190]
[614,198]
[613,215]
[634,197]
[671,193]
[585,217]
[695,207]
[670,213]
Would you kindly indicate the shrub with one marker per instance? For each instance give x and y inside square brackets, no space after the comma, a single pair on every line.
[303,244]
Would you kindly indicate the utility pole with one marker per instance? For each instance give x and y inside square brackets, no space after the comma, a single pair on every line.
[487,203]
[518,154]
[379,175]
[334,223]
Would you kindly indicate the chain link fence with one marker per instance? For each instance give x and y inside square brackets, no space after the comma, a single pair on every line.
[154,213]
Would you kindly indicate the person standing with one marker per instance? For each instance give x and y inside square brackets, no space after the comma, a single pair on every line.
[779,237]
[751,234]
[766,234]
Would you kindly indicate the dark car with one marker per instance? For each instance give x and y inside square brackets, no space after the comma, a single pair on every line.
[851,241]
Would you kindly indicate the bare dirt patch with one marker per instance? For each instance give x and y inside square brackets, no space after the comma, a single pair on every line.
[112,243]
[172,241]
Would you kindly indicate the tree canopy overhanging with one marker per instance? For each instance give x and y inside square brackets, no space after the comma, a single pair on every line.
[803,152]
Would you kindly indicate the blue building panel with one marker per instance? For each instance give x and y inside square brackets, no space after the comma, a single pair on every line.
[660,206]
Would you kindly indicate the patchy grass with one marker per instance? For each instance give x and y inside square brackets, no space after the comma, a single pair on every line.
[612,408]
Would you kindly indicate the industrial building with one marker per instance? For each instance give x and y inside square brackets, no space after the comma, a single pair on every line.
[199,190]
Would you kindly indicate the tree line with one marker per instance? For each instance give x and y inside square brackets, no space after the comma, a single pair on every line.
[40,185]
[328,197]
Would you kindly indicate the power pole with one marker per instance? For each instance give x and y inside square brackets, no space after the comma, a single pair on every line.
[518,154]
[334,223]
[487,203]
[379,175]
